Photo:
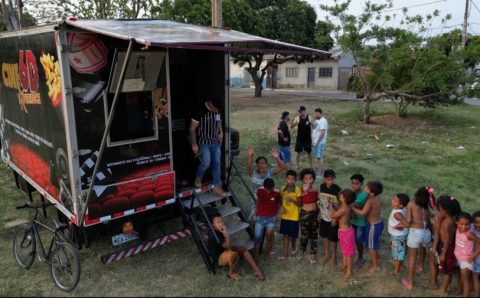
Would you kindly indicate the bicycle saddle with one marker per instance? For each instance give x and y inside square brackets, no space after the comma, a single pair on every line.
[59,226]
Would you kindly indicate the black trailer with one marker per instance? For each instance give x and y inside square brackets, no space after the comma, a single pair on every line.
[94,114]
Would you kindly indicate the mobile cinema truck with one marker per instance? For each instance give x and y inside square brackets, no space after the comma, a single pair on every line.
[95,116]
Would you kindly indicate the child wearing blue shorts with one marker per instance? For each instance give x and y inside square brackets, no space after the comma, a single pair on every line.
[397,228]
[268,204]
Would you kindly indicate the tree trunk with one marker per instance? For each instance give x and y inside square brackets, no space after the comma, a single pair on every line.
[366,111]
[258,87]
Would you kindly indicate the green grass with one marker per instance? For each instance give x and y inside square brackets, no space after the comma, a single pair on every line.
[425,152]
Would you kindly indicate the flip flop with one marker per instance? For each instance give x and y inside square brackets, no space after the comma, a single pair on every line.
[236,278]
[282,258]
[418,270]
[313,261]
[299,257]
[405,284]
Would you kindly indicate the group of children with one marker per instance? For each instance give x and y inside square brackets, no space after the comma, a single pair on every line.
[352,217]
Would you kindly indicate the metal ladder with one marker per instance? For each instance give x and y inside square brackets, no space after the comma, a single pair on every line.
[194,208]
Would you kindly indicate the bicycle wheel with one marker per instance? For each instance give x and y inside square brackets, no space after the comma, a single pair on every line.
[24,246]
[65,266]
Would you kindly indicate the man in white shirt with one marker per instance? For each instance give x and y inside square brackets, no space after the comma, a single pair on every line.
[319,138]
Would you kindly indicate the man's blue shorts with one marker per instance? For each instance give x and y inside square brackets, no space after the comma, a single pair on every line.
[319,150]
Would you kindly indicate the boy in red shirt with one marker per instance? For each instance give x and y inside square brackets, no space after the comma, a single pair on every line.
[268,204]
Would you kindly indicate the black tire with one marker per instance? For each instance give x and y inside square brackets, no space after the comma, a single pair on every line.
[24,246]
[65,266]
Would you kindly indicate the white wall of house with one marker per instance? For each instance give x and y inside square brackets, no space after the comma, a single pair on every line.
[293,75]
[239,77]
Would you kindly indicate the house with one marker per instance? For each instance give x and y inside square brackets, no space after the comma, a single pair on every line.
[333,73]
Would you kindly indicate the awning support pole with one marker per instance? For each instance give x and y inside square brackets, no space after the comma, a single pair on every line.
[107,130]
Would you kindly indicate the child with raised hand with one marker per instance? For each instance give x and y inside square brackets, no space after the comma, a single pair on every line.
[444,244]
[329,228]
[464,245]
[398,230]
[308,215]
[358,221]
[374,229]
[346,234]
[289,225]
[268,205]
[476,264]
[419,234]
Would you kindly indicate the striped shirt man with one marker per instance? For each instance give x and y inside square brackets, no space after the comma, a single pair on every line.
[209,127]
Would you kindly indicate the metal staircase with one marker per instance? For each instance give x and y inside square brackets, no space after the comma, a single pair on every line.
[196,205]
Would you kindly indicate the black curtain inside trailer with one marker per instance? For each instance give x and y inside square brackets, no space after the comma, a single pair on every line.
[195,75]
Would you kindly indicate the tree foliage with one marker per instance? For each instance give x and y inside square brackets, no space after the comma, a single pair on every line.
[9,17]
[292,21]
[402,62]
[54,10]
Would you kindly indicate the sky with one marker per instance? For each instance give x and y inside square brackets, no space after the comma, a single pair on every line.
[454,7]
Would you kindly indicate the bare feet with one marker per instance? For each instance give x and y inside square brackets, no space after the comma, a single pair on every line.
[313,260]
[440,292]
[373,270]
[347,277]
[431,287]
[234,276]
[325,259]
[394,272]
[405,283]
[260,276]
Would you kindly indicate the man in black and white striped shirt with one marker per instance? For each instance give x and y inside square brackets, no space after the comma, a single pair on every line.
[210,138]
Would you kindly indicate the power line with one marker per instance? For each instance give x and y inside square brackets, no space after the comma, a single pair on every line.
[423,4]
[475,5]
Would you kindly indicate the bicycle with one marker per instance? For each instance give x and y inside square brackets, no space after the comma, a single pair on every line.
[62,257]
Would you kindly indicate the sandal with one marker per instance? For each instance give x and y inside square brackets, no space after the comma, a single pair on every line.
[282,258]
[235,277]
[405,283]
[299,257]
[418,270]
[313,261]
[260,276]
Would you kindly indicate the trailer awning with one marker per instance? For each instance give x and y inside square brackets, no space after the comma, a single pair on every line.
[171,34]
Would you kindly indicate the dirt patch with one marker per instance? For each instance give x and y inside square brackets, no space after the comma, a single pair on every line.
[394,119]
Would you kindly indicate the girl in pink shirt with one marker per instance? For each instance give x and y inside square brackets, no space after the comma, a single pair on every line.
[464,243]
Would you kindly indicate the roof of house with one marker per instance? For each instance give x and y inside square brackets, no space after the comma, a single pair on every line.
[179,35]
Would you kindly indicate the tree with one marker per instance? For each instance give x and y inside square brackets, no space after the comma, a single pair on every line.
[405,65]
[323,38]
[54,10]
[292,21]
[9,16]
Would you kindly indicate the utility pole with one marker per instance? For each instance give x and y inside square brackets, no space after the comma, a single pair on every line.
[217,20]
[20,13]
[465,24]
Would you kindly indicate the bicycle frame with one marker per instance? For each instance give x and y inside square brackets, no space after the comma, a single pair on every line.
[46,256]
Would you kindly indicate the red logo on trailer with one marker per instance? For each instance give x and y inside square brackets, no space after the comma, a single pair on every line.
[28,76]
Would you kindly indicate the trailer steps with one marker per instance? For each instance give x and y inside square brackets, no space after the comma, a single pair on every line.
[203,199]
[227,210]
[237,226]
[197,207]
